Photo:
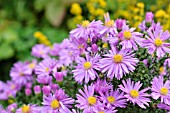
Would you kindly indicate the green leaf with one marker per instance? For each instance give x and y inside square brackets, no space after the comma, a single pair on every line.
[6,51]
[55,12]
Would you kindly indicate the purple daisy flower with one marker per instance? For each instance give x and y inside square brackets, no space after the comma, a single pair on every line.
[57,103]
[46,66]
[161,90]
[40,51]
[87,30]
[163,106]
[109,26]
[102,109]
[130,38]
[20,73]
[118,63]
[77,46]
[29,109]
[133,94]
[156,41]
[113,99]
[12,88]
[86,68]
[86,100]
[55,49]
[102,86]
[3,93]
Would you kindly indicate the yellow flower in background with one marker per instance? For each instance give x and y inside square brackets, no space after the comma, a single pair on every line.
[160,13]
[76,9]
[102,3]
[140,5]
[42,38]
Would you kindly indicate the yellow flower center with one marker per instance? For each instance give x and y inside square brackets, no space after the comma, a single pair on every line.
[111,99]
[85,23]
[127,35]
[117,58]
[81,46]
[91,100]
[105,45]
[46,69]
[55,104]
[161,69]
[21,74]
[164,91]
[25,109]
[87,65]
[158,42]
[32,65]
[134,93]
[101,112]
[109,23]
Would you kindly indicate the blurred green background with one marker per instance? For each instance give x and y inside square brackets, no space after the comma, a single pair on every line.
[20,20]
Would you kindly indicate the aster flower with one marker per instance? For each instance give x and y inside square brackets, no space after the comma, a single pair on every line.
[44,79]
[148,22]
[163,106]
[20,73]
[161,90]
[57,103]
[156,41]
[31,65]
[102,86]
[167,63]
[3,92]
[109,26]
[86,68]
[132,93]
[12,88]
[77,46]
[87,30]
[115,64]
[40,51]
[113,99]
[101,108]
[55,49]
[29,109]
[46,66]
[86,100]
[130,38]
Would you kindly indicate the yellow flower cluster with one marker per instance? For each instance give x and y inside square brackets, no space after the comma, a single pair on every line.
[132,10]
[42,38]
[96,8]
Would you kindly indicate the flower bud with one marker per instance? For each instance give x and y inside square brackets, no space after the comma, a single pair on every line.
[28,91]
[37,89]
[46,90]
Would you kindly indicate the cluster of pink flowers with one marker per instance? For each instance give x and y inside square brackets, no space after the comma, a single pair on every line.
[96,56]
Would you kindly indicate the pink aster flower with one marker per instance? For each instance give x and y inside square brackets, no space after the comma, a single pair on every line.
[20,73]
[156,41]
[101,108]
[131,39]
[115,64]
[57,103]
[46,66]
[133,94]
[86,100]
[113,99]
[86,68]
[40,51]
[102,86]
[161,89]
[164,106]
[3,91]
[87,30]
[29,109]
[77,46]
[109,26]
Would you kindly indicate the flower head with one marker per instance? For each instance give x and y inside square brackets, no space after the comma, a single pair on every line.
[155,41]
[132,93]
[40,51]
[86,68]
[86,100]
[29,109]
[59,102]
[161,90]
[115,64]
